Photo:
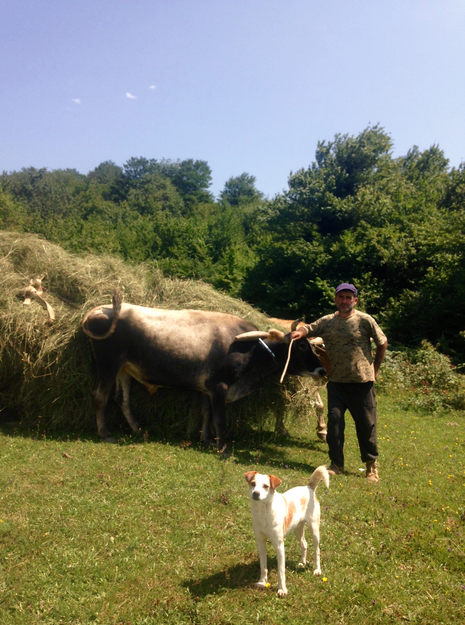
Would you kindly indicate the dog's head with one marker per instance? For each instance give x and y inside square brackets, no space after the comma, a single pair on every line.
[261,486]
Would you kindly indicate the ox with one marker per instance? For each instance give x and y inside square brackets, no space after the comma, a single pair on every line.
[316,383]
[221,355]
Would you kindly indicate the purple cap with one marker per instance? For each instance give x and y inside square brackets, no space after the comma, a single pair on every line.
[345,286]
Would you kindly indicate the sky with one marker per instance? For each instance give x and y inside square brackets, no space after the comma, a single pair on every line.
[246,85]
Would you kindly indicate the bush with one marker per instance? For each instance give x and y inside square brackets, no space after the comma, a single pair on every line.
[426,378]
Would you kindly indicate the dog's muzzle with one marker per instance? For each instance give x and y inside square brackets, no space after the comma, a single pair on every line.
[255,495]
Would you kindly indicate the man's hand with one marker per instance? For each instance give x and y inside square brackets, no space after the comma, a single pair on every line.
[300,333]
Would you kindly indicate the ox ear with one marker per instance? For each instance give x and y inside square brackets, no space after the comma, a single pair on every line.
[274,481]
[250,475]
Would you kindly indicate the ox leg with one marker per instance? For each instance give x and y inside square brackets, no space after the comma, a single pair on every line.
[100,396]
[320,419]
[206,420]
[279,427]
[218,408]
[123,383]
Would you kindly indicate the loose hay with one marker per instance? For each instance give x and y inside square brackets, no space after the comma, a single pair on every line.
[47,369]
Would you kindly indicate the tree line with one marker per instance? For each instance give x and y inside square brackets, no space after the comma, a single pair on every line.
[393,226]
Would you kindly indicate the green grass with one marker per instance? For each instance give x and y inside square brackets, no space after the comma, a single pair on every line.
[156,532]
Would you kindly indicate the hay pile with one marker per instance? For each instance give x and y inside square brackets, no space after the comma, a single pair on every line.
[47,369]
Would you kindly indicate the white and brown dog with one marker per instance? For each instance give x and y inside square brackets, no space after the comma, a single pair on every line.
[275,515]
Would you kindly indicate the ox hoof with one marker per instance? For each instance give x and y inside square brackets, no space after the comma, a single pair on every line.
[108,439]
[322,436]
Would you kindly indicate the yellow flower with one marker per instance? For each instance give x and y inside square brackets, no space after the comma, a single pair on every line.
[325,579]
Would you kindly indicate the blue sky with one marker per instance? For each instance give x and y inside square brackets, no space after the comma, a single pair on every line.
[246,85]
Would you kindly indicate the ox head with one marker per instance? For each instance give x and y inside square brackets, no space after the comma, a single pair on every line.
[297,357]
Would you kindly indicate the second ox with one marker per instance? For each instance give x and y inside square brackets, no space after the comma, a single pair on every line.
[315,383]
[221,355]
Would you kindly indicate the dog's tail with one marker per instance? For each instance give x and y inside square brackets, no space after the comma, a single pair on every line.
[320,473]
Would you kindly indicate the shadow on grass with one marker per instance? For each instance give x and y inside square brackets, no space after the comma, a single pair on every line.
[250,447]
[241,575]
[237,576]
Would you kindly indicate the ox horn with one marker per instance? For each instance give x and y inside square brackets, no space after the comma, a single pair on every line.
[317,340]
[274,335]
[296,323]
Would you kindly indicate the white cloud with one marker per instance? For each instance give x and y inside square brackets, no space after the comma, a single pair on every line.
[76,101]
[152,87]
[130,96]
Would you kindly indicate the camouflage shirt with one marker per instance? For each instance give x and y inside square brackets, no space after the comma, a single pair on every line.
[347,342]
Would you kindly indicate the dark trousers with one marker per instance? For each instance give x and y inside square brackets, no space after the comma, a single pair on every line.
[360,401]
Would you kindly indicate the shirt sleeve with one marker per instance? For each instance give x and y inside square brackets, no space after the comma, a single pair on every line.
[377,334]
[314,328]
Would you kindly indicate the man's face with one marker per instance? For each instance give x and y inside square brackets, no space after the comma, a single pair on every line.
[345,302]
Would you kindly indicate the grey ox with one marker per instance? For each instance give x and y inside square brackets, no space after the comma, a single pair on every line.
[221,355]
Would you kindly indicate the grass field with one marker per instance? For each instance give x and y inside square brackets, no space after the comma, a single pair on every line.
[149,531]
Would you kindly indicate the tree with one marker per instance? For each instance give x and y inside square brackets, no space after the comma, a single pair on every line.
[241,190]
[323,193]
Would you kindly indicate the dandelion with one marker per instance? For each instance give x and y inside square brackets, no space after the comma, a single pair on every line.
[325,579]
[267,585]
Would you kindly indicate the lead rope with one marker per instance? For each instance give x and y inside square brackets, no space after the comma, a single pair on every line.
[287,361]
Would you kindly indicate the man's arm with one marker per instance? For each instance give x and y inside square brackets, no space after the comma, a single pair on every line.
[379,357]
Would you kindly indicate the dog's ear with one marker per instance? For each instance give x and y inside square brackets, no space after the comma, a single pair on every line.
[274,481]
[250,475]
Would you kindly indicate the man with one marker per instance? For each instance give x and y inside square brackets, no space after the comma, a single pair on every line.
[346,334]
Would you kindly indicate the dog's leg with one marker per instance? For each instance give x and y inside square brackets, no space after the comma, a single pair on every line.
[261,546]
[314,526]
[300,535]
[279,546]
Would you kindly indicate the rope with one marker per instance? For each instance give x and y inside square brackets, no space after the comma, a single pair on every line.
[287,361]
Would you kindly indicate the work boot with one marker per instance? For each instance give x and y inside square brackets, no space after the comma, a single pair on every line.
[372,471]
[334,469]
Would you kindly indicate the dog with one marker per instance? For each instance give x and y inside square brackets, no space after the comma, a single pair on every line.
[275,515]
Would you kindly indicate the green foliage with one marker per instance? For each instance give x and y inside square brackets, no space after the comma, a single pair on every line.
[241,190]
[393,226]
[13,216]
[424,378]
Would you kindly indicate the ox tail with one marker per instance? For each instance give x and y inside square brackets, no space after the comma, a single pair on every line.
[117,301]
[318,475]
